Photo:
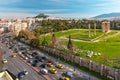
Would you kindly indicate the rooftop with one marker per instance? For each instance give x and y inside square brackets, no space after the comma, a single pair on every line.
[6,75]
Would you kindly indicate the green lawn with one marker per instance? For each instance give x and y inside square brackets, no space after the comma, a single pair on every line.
[109,47]
[83,35]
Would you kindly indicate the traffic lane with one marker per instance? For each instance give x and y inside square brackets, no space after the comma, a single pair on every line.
[15,65]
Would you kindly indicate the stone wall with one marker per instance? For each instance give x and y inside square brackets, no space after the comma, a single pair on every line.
[91,65]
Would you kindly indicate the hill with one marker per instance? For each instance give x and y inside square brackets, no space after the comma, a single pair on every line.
[109,15]
[41,16]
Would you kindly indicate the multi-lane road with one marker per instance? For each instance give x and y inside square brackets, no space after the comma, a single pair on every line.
[15,65]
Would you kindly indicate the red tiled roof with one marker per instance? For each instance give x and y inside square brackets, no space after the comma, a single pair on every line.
[4,21]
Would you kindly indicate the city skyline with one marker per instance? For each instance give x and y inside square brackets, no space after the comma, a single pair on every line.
[65,8]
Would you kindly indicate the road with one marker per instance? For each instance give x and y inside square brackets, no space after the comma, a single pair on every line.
[15,65]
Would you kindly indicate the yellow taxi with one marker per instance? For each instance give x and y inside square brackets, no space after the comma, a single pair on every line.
[14,55]
[50,64]
[27,49]
[60,66]
[4,61]
[22,55]
[65,78]
[53,70]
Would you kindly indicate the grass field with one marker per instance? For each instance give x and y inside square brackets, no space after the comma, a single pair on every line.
[108,44]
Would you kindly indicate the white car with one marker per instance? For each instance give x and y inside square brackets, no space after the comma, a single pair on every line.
[25,72]
[44,71]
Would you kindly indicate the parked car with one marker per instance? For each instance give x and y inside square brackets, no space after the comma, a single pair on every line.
[53,70]
[50,61]
[50,64]
[44,71]
[43,66]
[60,66]
[65,78]
[45,58]
[34,64]
[68,74]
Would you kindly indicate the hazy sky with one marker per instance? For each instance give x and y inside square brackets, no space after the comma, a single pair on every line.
[65,8]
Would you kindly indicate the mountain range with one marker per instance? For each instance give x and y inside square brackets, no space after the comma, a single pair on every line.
[109,15]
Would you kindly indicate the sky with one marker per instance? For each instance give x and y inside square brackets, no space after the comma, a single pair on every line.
[57,8]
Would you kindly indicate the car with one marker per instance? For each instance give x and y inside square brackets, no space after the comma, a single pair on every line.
[36,61]
[45,58]
[43,66]
[50,61]
[53,70]
[27,49]
[30,56]
[25,72]
[14,55]
[35,53]
[39,58]
[29,52]
[23,56]
[60,66]
[44,71]
[65,78]
[26,58]
[22,74]
[34,64]
[68,74]
[4,61]
[50,64]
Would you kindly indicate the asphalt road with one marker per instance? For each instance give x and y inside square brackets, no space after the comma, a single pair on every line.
[15,65]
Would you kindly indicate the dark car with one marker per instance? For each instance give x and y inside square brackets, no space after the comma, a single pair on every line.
[43,65]
[34,64]
[39,58]
[45,58]
[35,53]
[22,74]
[36,61]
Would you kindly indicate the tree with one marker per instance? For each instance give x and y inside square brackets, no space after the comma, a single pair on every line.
[70,46]
[44,42]
[35,42]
